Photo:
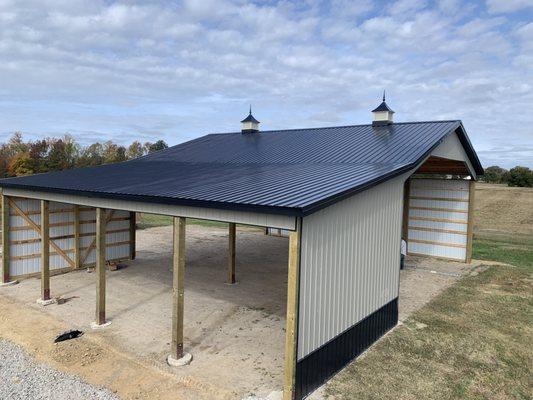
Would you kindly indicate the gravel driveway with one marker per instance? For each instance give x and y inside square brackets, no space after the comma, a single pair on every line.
[22,377]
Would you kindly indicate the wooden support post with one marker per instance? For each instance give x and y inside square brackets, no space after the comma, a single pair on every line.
[291,331]
[176,351]
[231,253]
[77,252]
[470,226]
[4,272]
[100,266]
[133,238]
[45,251]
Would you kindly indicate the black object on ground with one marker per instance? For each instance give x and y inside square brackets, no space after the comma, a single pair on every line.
[68,335]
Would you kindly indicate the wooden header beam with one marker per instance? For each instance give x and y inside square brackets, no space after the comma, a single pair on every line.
[444,166]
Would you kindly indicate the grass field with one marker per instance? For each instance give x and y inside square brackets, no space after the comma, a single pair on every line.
[474,341]
[471,342]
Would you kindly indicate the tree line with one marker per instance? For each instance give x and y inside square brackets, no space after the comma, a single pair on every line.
[19,157]
[517,176]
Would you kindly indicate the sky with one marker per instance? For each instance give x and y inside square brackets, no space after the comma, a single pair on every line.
[149,70]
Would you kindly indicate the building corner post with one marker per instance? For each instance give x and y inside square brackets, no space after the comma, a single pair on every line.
[291,331]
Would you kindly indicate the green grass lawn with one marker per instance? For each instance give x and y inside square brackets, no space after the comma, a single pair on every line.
[474,341]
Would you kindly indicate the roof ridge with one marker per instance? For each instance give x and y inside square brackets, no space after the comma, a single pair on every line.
[337,127]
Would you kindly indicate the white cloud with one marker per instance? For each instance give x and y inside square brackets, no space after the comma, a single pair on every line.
[507,6]
[171,70]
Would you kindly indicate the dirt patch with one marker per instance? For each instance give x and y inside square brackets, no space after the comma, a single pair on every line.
[89,357]
[234,332]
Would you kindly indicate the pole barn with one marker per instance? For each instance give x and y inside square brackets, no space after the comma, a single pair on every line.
[347,196]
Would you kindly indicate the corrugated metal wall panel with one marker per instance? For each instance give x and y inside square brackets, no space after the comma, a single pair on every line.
[278,232]
[438,218]
[437,250]
[240,217]
[27,255]
[25,265]
[350,260]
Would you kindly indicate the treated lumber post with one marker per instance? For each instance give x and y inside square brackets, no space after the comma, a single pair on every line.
[177,357]
[470,226]
[4,273]
[100,268]
[231,253]
[133,237]
[291,331]
[45,251]
[77,252]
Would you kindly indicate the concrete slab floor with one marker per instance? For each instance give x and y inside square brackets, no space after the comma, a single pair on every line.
[236,333]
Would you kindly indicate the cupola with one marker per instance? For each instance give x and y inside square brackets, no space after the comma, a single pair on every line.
[382,114]
[250,124]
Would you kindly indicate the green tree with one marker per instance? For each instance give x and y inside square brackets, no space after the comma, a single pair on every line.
[21,164]
[135,150]
[16,144]
[62,154]
[494,174]
[38,152]
[113,153]
[91,155]
[157,146]
[5,157]
[520,176]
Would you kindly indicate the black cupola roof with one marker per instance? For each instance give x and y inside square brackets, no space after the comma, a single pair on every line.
[383,106]
[250,117]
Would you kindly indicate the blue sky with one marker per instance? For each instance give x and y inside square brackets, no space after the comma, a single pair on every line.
[146,70]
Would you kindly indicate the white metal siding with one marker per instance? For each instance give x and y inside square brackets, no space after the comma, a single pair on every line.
[350,262]
[438,218]
[452,149]
[278,232]
[61,224]
[240,217]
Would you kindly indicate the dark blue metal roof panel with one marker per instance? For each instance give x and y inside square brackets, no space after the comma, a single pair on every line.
[291,172]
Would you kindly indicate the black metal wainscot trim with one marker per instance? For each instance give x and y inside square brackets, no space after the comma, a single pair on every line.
[317,367]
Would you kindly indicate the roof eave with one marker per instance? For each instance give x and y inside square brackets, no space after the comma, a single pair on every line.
[463,137]
[265,209]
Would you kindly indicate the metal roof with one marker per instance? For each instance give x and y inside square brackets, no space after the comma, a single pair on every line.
[293,172]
